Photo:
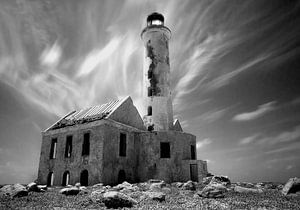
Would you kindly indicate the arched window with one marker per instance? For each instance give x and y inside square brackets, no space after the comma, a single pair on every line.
[86,144]
[66,178]
[50,179]
[84,178]
[149,110]
[121,176]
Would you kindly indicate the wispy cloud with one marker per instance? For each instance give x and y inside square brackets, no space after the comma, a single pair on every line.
[260,111]
[226,78]
[248,140]
[283,137]
[202,143]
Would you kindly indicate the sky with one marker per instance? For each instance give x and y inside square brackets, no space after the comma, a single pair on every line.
[234,76]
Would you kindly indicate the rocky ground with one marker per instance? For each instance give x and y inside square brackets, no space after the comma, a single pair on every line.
[213,193]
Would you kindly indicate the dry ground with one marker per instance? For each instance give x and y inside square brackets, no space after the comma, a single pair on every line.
[177,199]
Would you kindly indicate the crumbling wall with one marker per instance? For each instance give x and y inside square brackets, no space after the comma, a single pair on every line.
[175,168]
[76,162]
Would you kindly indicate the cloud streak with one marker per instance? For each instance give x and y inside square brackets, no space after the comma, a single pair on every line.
[259,112]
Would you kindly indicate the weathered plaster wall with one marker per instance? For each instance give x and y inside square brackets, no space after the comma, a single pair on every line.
[127,114]
[202,169]
[112,161]
[175,168]
[157,77]
[76,163]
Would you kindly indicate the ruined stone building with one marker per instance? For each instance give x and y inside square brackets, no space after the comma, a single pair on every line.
[110,143]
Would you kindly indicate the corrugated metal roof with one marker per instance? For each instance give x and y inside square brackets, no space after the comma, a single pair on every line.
[88,114]
[93,111]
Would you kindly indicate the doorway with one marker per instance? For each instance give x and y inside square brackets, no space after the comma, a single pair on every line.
[121,176]
[193,172]
[84,178]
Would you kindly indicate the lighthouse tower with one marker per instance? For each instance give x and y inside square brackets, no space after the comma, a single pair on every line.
[157,93]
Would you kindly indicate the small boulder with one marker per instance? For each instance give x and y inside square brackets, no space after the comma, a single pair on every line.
[15,190]
[240,189]
[157,186]
[206,180]
[177,184]
[42,188]
[99,185]
[70,191]
[78,185]
[32,187]
[189,185]
[97,196]
[115,199]
[224,180]
[213,191]
[156,196]
[292,186]
[150,181]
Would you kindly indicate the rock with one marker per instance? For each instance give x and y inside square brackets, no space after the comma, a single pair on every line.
[97,196]
[292,186]
[77,184]
[213,191]
[157,196]
[240,189]
[99,185]
[224,180]
[69,185]
[157,186]
[42,188]
[15,190]
[189,185]
[122,186]
[32,187]
[83,190]
[206,180]
[115,199]
[70,191]
[177,184]
[150,181]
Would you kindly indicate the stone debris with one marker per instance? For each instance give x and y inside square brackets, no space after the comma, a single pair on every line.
[115,199]
[223,180]
[292,186]
[33,187]
[97,196]
[213,191]
[240,189]
[42,188]
[99,185]
[206,180]
[77,184]
[157,186]
[15,190]
[189,185]
[157,196]
[70,191]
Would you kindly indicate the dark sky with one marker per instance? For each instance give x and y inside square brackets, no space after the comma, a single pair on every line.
[234,65]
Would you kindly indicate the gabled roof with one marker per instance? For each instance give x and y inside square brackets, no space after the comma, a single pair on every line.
[90,114]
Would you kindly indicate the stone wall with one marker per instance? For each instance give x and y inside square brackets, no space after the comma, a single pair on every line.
[175,168]
[76,162]
[112,161]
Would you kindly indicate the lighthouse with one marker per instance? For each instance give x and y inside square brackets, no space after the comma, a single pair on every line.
[156,72]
